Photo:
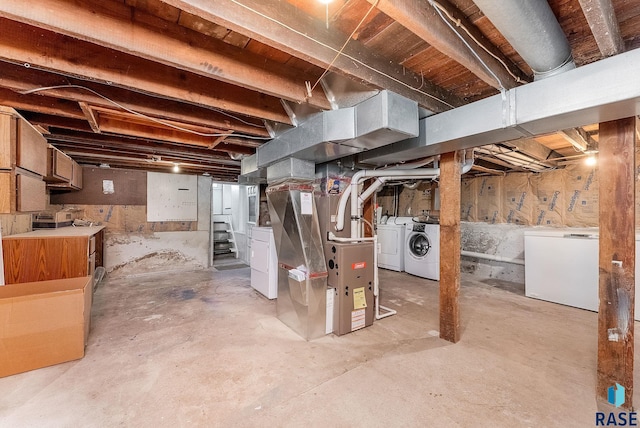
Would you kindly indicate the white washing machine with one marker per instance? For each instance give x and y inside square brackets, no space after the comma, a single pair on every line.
[391,243]
[422,250]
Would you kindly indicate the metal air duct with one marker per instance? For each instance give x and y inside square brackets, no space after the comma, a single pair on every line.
[380,120]
[534,32]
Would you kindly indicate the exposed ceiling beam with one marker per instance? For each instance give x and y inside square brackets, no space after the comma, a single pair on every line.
[47,120]
[138,163]
[428,23]
[115,123]
[69,135]
[108,154]
[109,24]
[46,105]
[123,149]
[90,116]
[602,20]
[69,57]
[578,139]
[20,79]
[534,149]
[283,26]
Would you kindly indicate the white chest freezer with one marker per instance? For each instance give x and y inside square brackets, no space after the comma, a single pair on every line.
[561,266]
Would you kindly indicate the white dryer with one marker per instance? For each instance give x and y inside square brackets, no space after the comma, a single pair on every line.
[422,250]
[391,243]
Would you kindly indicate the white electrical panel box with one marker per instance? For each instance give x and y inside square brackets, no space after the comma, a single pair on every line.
[172,197]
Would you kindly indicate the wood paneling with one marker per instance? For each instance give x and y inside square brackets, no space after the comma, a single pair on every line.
[616,258]
[40,259]
[130,188]
[450,246]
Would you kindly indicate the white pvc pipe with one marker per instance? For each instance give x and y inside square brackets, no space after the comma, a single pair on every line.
[382,175]
[495,258]
[362,175]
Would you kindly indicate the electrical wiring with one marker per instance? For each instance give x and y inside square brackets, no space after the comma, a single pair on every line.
[152,119]
[28,65]
[491,72]
[373,5]
[438,6]
[352,58]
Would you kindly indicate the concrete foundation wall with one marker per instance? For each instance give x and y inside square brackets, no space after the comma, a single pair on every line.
[133,254]
[504,240]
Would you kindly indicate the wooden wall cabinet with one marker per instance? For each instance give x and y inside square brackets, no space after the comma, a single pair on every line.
[62,171]
[31,193]
[59,167]
[23,163]
[31,149]
[47,254]
[76,179]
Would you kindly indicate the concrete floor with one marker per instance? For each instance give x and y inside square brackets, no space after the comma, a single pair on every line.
[203,348]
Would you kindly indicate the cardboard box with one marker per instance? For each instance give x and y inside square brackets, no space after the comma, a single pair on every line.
[43,323]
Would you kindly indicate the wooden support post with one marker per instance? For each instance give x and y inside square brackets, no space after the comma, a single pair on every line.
[617,258]
[450,246]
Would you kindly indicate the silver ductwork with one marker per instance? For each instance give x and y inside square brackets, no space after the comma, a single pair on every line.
[534,32]
[380,120]
[598,92]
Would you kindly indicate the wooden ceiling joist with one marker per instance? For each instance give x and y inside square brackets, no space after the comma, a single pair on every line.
[74,58]
[110,25]
[19,79]
[424,20]
[105,140]
[284,27]
[34,103]
[90,116]
[601,17]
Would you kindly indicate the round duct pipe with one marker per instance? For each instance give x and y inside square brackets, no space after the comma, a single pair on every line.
[534,32]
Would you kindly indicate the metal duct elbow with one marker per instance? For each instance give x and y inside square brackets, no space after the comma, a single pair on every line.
[534,32]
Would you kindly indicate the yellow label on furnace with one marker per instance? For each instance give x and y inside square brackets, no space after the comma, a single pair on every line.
[359,300]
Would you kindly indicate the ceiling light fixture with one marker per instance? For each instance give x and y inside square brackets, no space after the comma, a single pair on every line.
[325,1]
[590,160]
[176,167]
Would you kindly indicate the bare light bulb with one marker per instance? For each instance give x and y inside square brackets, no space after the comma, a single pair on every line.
[325,1]
[176,168]
[590,160]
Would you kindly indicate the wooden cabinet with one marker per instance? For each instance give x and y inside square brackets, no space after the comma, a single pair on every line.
[23,163]
[31,193]
[42,255]
[63,172]
[8,135]
[31,149]
[59,167]
[76,179]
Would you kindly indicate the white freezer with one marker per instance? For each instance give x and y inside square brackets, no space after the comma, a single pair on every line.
[561,266]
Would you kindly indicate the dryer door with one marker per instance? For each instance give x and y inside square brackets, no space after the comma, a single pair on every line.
[419,245]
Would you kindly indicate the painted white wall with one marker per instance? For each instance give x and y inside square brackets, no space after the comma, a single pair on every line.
[204,203]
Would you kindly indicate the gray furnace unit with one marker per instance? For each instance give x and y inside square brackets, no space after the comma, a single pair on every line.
[350,272]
